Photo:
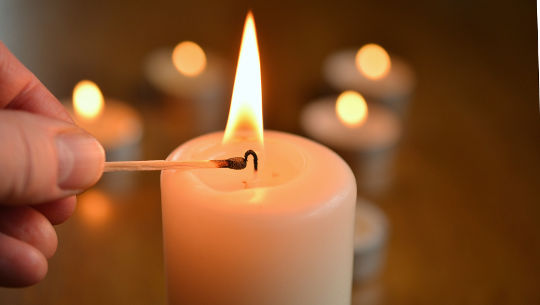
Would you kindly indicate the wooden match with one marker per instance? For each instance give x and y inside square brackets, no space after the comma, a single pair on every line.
[236,163]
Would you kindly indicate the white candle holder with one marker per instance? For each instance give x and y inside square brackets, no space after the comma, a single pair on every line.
[368,293]
[394,89]
[369,149]
[371,234]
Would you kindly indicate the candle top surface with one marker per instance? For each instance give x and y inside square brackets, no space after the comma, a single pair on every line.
[295,174]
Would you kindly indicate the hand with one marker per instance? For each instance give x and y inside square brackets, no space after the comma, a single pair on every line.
[44,161]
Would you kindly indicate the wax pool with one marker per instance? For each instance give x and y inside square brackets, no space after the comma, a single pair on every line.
[281,236]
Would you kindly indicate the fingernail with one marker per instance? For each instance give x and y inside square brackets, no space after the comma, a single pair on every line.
[80,160]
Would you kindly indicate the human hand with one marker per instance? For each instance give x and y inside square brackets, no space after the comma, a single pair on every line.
[44,161]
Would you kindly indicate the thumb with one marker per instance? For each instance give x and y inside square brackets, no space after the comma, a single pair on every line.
[43,159]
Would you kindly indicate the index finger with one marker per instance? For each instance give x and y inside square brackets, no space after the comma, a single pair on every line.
[20,89]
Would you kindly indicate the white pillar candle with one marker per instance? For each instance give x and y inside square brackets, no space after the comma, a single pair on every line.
[281,235]
[284,236]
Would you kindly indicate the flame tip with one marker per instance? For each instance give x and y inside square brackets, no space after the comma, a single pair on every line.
[245,113]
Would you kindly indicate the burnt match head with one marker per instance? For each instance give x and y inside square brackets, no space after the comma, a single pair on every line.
[238,163]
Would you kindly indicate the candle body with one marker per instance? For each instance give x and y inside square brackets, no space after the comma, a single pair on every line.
[282,237]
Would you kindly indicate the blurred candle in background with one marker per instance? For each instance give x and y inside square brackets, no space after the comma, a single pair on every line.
[373,61]
[195,79]
[372,71]
[189,59]
[116,125]
[364,136]
[281,235]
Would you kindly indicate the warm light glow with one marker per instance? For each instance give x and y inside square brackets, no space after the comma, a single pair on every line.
[373,61]
[245,113]
[94,207]
[87,100]
[351,108]
[189,58]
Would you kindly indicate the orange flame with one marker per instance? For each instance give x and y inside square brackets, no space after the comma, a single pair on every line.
[88,101]
[245,113]
[351,108]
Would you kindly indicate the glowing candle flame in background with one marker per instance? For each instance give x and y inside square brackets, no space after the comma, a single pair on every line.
[189,58]
[88,101]
[373,61]
[245,113]
[351,108]
[95,207]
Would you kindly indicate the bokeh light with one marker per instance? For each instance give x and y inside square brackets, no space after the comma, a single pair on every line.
[373,61]
[189,58]
[88,100]
[351,108]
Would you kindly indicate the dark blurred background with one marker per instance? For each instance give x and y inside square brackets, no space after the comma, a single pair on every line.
[464,206]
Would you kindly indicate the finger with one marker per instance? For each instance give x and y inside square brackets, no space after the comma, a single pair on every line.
[20,89]
[59,210]
[30,226]
[20,263]
[42,159]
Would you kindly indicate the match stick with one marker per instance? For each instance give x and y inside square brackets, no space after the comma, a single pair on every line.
[236,163]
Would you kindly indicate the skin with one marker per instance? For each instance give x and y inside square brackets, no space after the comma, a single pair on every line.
[37,185]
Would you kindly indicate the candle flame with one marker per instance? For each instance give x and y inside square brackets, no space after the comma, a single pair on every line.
[245,113]
[88,101]
[351,108]
[373,61]
[189,58]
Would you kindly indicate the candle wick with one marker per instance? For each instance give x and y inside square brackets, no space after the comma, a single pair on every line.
[255,158]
